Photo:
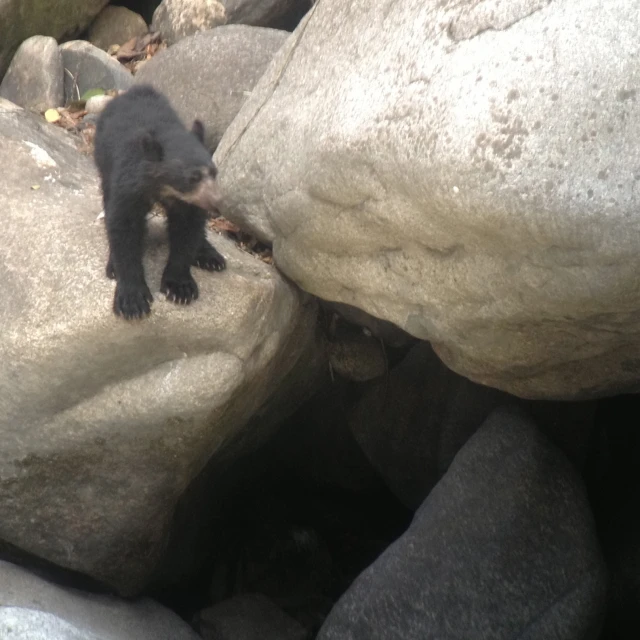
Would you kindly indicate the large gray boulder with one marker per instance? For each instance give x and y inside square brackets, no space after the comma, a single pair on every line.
[104,423]
[20,19]
[504,547]
[465,170]
[34,609]
[213,92]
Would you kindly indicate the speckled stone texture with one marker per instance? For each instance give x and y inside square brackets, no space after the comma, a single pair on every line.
[467,170]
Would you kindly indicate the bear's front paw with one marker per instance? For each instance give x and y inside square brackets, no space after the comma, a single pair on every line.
[181,290]
[132,301]
[209,258]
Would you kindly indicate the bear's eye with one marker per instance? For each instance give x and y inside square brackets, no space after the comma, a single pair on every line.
[195,177]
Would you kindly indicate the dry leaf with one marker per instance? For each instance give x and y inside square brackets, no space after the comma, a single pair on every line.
[138,48]
[222,224]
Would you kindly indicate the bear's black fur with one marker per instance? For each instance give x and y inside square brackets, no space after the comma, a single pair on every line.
[144,155]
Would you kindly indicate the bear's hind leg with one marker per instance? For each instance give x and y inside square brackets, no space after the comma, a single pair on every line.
[208,257]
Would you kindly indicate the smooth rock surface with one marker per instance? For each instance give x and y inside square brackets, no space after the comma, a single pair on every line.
[34,77]
[104,423]
[116,25]
[97,104]
[504,547]
[213,92]
[21,19]
[34,609]
[87,67]
[412,423]
[465,170]
[249,617]
[176,19]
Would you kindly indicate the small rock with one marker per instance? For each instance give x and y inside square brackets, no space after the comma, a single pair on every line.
[34,609]
[386,331]
[34,77]
[249,617]
[87,67]
[96,104]
[357,357]
[116,25]
[175,19]
[91,118]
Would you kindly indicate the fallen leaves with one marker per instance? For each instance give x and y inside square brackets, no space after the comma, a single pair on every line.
[245,241]
[222,224]
[138,50]
[131,55]
[71,120]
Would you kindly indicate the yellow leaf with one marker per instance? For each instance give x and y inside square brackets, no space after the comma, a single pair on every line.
[51,115]
[35,187]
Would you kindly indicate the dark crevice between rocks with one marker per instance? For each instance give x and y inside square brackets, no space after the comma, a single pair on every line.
[287,22]
[51,571]
[297,518]
[144,7]
[614,486]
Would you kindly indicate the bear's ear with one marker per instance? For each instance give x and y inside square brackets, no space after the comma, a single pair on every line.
[151,147]
[198,130]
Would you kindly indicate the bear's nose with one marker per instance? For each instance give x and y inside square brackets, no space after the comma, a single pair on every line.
[207,194]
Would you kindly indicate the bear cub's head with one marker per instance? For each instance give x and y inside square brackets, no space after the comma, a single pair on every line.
[183,167]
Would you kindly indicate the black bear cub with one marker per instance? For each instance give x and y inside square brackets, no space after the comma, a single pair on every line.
[144,155]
